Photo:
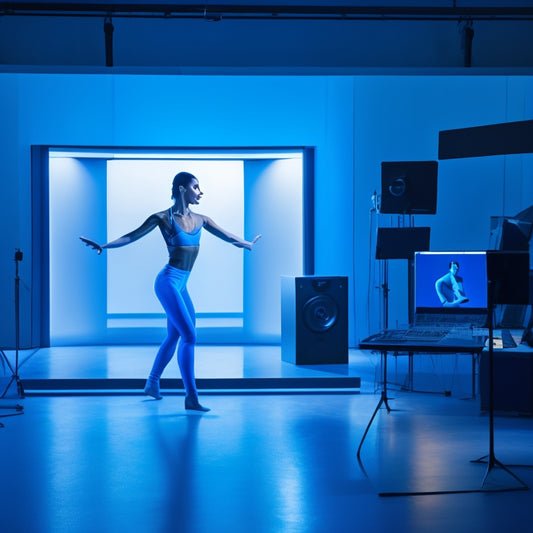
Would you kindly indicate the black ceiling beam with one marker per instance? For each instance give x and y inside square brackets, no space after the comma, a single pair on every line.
[273,11]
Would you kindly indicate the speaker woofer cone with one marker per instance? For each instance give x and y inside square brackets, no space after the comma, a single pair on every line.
[320,313]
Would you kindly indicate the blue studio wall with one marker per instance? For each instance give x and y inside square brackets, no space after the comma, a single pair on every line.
[175,111]
[354,123]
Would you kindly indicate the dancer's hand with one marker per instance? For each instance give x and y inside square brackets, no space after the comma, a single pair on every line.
[251,243]
[92,244]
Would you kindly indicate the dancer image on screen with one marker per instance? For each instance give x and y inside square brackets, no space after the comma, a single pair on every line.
[181,229]
[449,287]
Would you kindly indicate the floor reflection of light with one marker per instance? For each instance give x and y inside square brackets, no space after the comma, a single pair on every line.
[292,500]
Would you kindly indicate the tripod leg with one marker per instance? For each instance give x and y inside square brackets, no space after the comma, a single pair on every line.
[492,463]
[381,400]
[20,387]
[7,387]
[14,376]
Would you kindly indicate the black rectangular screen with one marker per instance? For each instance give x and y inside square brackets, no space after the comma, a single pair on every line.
[401,243]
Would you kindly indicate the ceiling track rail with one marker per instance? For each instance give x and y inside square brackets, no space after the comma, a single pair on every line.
[271,12]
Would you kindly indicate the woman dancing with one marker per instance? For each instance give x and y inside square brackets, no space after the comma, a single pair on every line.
[181,229]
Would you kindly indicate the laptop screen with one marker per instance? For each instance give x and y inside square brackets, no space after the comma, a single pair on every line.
[451,282]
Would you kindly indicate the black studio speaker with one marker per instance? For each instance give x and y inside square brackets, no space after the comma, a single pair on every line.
[314,320]
[409,187]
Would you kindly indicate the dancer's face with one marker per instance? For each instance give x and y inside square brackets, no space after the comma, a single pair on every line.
[454,268]
[192,192]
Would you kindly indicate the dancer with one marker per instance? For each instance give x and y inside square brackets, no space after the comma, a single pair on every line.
[450,288]
[181,229]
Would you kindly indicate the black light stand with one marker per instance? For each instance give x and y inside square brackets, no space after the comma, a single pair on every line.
[407,188]
[15,370]
[394,243]
[490,459]
[383,400]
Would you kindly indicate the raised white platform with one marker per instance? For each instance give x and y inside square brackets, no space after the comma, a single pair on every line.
[125,368]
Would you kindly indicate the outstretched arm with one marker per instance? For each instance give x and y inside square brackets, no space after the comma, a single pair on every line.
[438,287]
[146,227]
[221,233]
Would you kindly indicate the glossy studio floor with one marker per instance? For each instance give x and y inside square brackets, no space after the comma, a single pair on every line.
[277,452]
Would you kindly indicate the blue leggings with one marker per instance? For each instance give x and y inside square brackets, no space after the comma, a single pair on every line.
[171,289]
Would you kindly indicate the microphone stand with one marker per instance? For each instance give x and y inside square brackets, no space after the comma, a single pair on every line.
[15,370]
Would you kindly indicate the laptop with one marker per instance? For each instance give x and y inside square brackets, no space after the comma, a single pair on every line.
[450,300]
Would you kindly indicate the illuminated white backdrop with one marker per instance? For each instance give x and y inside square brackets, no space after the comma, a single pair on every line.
[136,189]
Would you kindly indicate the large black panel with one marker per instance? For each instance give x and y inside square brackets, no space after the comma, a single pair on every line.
[314,320]
[494,139]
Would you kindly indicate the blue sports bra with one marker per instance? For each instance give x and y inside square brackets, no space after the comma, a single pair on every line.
[178,237]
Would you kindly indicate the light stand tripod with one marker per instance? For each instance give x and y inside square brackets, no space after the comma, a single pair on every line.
[15,369]
[395,243]
[490,459]
[383,399]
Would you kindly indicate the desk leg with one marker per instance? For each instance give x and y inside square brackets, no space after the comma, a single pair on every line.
[385,374]
[473,375]
[410,372]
